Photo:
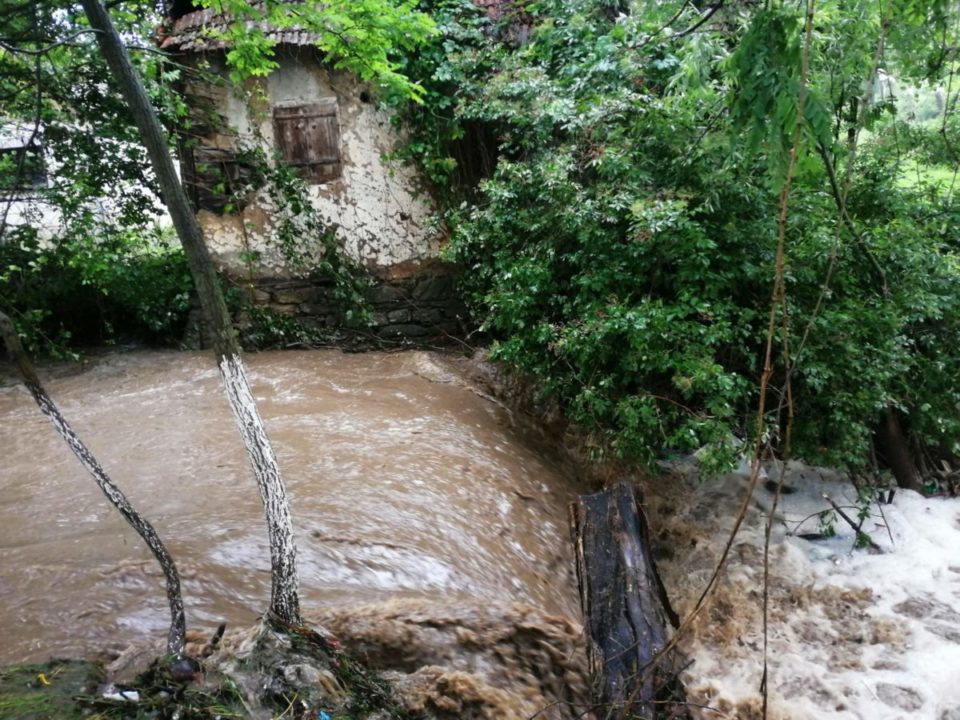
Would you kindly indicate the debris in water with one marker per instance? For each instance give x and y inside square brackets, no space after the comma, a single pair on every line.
[122,694]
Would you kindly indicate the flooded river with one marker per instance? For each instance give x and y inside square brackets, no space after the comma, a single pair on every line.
[413,496]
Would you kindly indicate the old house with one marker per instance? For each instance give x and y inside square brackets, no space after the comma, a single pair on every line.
[324,125]
[23,175]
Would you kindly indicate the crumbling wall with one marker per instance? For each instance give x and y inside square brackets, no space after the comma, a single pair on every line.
[323,124]
[377,208]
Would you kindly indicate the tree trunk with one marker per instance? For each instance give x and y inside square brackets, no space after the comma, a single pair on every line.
[284,600]
[176,637]
[895,449]
[625,607]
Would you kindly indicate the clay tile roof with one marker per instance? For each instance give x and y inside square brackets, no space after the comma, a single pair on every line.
[196,31]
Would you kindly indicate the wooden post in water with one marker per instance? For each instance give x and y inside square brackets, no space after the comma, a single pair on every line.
[625,608]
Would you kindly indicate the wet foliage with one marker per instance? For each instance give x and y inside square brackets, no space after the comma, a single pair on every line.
[621,249]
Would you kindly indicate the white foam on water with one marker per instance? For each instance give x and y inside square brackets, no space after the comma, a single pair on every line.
[853,633]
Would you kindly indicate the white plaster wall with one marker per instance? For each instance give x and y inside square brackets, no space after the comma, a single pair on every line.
[382,221]
[30,212]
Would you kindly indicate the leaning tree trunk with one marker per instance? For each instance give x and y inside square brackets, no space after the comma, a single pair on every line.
[284,601]
[177,634]
[895,448]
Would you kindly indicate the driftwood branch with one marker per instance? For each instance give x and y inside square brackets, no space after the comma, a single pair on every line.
[625,607]
[861,536]
[178,628]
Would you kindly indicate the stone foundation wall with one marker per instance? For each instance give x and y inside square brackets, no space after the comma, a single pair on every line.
[420,310]
[413,309]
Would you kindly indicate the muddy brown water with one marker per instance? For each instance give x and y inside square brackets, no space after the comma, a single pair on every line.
[409,488]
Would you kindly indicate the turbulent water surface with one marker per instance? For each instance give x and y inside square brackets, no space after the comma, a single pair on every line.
[417,504]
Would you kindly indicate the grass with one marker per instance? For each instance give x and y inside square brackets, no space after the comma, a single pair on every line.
[916,175]
[47,691]
[68,690]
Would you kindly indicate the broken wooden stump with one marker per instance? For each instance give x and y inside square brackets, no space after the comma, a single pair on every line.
[625,609]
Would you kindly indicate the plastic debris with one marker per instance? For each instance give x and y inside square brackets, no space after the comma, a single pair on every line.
[112,692]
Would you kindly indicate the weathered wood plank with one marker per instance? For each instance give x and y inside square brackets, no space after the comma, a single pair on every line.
[624,605]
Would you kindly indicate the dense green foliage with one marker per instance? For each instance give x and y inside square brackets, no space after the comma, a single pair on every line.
[623,250]
[364,36]
[88,262]
[95,288]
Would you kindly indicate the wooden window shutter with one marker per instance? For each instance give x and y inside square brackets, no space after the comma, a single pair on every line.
[216,179]
[309,139]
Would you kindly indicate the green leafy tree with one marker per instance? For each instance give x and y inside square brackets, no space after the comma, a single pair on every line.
[88,241]
[623,249]
[364,36]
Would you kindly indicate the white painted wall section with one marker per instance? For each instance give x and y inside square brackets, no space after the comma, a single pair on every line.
[382,218]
